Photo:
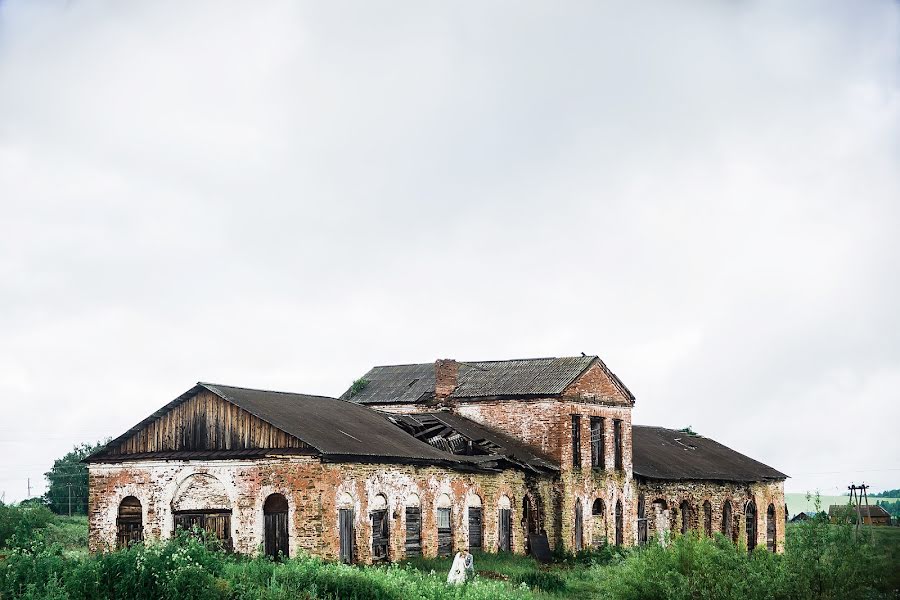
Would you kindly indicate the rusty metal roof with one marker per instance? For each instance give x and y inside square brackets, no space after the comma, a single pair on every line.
[660,453]
[529,377]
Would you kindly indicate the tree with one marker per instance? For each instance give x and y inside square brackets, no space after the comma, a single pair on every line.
[69,475]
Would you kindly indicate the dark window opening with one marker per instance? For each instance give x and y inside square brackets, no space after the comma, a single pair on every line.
[347,535]
[413,531]
[445,532]
[598,439]
[579,527]
[505,530]
[275,526]
[620,536]
[641,521]
[598,518]
[727,521]
[475,528]
[215,523]
[617,438]
[576,441]
[685,517]
[707,518]
[129,523]
[751,525]
[770,528]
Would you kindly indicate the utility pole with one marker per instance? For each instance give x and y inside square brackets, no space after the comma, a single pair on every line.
[29,488]
[70,499]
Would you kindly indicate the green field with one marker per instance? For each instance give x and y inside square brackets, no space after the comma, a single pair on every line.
[798,503]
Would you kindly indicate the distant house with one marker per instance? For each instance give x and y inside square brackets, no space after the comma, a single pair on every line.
[871,515]
[802,517]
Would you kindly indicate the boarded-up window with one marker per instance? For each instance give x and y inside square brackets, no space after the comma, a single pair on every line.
[129,522]
[579,527]
[598,521]
[620,534]
[504,526]
[617,439]
[727,521]
[475,523]
[380,535]
[216,524]
[641,520]
[685,510]
[444,526]
[707,518]
[576,441]
[598,442]
[770,528]
[275,525]
[750,514]
[380,527]
[413,526]
[347,535]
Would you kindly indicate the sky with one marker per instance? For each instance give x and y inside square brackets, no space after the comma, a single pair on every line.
[281,195]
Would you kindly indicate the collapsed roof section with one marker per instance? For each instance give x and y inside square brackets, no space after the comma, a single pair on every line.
[463,437]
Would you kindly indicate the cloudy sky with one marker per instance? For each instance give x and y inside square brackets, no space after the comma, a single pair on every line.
[283,194]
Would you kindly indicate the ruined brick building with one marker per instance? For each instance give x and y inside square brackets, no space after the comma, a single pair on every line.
[426,459]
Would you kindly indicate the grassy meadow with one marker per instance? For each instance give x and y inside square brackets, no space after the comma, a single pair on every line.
[44,556]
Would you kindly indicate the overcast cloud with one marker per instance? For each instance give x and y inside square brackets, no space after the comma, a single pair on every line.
[283,194]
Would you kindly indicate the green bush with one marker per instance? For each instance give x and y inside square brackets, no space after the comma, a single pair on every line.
[21,524]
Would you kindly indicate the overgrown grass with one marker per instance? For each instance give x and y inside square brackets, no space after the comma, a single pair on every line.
[822,561]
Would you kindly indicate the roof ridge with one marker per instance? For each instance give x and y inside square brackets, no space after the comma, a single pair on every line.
[422,364]
[207,384]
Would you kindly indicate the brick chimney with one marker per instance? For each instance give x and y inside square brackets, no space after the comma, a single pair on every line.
[445,374]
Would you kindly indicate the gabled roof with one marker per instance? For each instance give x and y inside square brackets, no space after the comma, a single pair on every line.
[871,510]
[659,453]
[334,428]
[530,377]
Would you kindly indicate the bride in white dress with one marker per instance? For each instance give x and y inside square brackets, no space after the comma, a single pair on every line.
[462,569]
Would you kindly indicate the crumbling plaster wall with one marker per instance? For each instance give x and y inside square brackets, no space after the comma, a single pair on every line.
[717,493]
[312,489]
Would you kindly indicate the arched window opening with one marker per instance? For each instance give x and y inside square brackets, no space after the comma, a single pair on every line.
[727,521]
[641,521]
[476,529]
[504,529]
[750,512]
[202,502]
[770,528]
[275,526]
[685,510]
[598,523]
[129,523]
[707,518]
[444,526]
[378,512]
[620,534]
[347,533]
[579,527]
[413,526]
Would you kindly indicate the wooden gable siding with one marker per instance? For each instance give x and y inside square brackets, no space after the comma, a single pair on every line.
[206,422]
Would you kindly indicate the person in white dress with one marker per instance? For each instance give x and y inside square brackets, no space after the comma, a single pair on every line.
[462,569]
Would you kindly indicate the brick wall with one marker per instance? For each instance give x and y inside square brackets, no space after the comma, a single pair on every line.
[312,489]
[673,493]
